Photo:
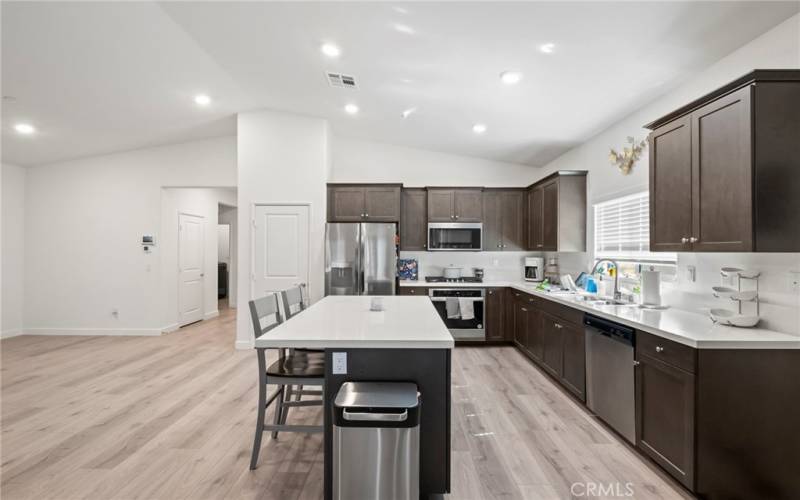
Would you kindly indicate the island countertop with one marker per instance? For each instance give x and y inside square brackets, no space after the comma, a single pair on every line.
[346,322]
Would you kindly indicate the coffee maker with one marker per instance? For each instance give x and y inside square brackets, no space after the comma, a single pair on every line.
[534,269]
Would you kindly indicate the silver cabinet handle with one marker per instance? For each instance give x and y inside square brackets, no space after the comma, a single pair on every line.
[684,240]
[523,309]
[558,326]
[636,363]
[366,215]
[456,216]
[491,292]
[659,348]
[498,245]
[375,417]
[540,245]
[693,239]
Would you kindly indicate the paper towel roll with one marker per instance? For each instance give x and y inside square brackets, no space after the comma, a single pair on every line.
[651,288]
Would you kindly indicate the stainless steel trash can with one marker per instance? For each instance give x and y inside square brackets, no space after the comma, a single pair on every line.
[376,441]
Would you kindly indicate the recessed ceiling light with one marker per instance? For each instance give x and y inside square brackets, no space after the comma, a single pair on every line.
[408,112]
[202,100]
[510,77]
[404,28]
[479,128]
[547,48]
[24,128]
[330,50]
[351,109]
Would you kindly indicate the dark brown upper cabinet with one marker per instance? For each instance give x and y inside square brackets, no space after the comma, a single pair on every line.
[725,169]
[413,219]
[364,203]
[557,213]
[503,219]
[455,204]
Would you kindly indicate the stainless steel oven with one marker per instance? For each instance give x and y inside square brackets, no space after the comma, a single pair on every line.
[462,310]
[450,236]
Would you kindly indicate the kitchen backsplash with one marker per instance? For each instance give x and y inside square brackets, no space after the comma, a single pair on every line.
[496,265]
[780,306]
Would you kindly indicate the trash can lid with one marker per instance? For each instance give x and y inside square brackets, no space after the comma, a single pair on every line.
[377,395]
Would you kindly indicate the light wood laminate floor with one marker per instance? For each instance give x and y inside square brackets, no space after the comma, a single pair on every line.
[173,417]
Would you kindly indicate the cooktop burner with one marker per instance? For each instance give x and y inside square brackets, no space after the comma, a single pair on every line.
[442,279]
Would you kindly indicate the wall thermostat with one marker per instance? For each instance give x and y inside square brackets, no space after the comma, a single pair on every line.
[148,240]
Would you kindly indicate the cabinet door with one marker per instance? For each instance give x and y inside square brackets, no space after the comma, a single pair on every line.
[671,187]
[665,417]
[494,314]
[346,204]
[550,216]
[722,179]
[536,221]
[414,220]
[573,375]
[553,347]
[492,221]
[535,333]
[382,204]
[468,205]
[521,325]
[513,210]
[510,307]
[440,205]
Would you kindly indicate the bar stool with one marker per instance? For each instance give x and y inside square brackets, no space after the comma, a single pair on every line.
[292,368]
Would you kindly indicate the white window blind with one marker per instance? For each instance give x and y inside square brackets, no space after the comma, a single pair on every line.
[622,230]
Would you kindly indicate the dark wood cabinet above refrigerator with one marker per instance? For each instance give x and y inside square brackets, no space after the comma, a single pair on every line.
[364,202]
[725,169]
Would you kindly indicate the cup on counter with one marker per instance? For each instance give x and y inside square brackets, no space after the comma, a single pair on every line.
[376,304]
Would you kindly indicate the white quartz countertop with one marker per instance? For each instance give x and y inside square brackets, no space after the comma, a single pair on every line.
[336,321]
[685,327]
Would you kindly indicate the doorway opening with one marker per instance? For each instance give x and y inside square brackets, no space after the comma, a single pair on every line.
[226,257]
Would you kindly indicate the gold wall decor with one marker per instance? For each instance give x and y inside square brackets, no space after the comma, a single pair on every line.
[629,156]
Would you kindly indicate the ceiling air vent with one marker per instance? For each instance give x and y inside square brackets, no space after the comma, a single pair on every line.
[341,81]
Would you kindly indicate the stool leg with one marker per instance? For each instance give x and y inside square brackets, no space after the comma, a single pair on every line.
[285,413]
[278,409]
[300,387]
[262,407]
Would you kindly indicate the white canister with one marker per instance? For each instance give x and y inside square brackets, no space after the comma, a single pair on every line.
[651,288]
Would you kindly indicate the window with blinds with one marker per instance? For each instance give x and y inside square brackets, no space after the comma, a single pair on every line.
[622,230]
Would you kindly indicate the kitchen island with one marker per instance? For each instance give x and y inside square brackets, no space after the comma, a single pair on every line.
[405,342]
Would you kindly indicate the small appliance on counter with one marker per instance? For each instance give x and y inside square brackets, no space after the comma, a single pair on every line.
[534,269]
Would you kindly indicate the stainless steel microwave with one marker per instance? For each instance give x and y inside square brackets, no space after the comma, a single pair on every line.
[455,236]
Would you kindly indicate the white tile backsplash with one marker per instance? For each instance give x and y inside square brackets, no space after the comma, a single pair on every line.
[780,306]
[496,265]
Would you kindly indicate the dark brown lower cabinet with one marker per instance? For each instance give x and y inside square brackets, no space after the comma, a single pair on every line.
[510,307]
[665,416]
[573,370]
[494,314]
[535,341]
[521,324]
[552,345]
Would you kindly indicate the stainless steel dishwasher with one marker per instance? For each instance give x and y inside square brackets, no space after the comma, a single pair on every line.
[610,390]
[376,441]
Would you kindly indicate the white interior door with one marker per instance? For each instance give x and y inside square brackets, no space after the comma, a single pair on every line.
[191,272]
[281,248]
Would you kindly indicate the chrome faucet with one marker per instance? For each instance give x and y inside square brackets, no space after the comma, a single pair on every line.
[617,294]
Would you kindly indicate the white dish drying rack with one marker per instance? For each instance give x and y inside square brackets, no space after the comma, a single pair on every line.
[733,318]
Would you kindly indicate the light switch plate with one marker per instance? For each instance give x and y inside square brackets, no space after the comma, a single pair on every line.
[340,363]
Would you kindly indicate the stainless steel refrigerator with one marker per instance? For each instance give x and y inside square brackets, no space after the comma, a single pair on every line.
[360,258]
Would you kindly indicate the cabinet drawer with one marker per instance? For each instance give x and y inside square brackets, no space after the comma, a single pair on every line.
[413,290]
[565,313]
[667,351]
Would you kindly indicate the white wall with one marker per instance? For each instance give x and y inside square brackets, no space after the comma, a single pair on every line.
[283,158]
[13,249]
[354,160]
[777,48]
[203,202]
[84,220]
[228,215]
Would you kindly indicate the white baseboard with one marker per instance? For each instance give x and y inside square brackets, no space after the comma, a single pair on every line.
[7,334]
[212,314]
[244,345]
[170,328]
[119,332]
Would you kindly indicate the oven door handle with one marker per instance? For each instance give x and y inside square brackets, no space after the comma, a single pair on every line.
[443,299]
